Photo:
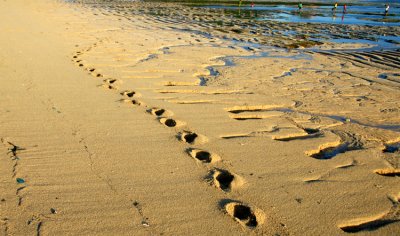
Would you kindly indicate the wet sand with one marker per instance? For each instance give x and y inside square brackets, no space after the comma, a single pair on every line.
[116,123]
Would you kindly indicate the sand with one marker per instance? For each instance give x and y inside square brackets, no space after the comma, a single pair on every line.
[115,124]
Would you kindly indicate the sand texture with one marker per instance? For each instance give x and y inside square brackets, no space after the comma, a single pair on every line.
[128,124]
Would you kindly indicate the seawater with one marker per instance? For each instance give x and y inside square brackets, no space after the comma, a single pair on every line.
[357,13]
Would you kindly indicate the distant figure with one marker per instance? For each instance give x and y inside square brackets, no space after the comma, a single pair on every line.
[334,7]
[386,9]
[300,6]
[252,4]
[344,8]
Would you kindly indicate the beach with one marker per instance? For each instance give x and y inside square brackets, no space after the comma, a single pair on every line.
[147,118]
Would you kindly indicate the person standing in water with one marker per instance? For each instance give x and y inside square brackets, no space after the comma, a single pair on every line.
[344,8]
[386,9]
[300,5]
[334,7]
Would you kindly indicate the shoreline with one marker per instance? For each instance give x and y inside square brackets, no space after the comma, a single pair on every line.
[224,23]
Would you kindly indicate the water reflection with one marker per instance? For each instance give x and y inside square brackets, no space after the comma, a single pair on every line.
[354,14]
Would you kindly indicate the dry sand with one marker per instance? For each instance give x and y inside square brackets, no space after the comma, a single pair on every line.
[105,130]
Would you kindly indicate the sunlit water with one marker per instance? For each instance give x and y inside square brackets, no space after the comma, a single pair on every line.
[362,13]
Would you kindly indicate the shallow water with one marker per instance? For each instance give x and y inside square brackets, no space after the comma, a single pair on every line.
[371,14]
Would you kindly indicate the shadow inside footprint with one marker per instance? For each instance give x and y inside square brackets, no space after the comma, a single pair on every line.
[190,137]
[224,179]
[128,94]
[246,216]
[108,86]
[203,156]
[110,81]
[159,112]
[170,122]
[244,213]
[133,102]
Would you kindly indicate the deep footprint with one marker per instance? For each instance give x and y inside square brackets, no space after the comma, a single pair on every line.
[133,102]
[109,81]
[171,122]
[190,137]
[107,86]
[129,93]
[203,156]
[245,215]
[159,112]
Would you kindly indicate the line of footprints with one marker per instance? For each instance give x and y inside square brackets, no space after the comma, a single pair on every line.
[248,216]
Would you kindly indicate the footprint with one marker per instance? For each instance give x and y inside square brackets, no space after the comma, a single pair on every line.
[192,138]
[108,86]
[203,156]
[133,102]
[159,112]
[130,94]
[226,180]
[171,122]
[111,81]
[98,75]
[245,215]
